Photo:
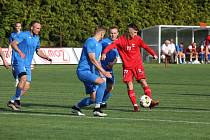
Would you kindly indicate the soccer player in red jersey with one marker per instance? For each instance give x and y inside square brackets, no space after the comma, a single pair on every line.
[128,46]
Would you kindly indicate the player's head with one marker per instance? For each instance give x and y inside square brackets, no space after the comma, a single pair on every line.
[132,30]
[35,27]
[113,33]
[181,44]
[167,42]
[100,32]
[18,26]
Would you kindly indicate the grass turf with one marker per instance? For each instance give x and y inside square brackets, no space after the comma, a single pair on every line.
[182,114]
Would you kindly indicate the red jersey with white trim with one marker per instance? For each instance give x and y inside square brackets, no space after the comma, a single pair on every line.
[129,50]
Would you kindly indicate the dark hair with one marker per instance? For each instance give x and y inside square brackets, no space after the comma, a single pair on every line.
[134,26]
[17,23]
[33,22]
[113,27]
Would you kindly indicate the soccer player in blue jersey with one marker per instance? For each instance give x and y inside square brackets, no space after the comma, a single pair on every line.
[91,73]
[109,62]
[24,45]
[12,37]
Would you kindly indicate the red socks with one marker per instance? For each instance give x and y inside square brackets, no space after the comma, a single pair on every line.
[147,91]
[132,97]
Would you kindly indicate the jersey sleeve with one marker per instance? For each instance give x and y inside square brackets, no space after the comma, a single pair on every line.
[111,46]
[146,47]
[20,37]
[90,45]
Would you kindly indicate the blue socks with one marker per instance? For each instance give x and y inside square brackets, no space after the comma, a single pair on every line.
[99,97]
[85,102]
[106,96]
[100,93]
[17,94]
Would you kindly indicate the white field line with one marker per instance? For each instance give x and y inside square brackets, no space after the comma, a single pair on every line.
[108,118]
[143,110]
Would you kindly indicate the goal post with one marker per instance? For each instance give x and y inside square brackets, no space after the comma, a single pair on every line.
[156,35]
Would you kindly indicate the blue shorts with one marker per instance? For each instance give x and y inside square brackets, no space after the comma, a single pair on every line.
[88,78]
[17,69]
[110,80]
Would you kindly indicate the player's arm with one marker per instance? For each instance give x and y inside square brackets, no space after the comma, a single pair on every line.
[10,47]
[107,49]
[3,58]
[14,45]
[148,49]
[98,65]
[42,55]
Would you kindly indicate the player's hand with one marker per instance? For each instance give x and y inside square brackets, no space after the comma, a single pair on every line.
[6,65]
[110,65]
[155,57]
[103,56]
[49,59]
[107,74]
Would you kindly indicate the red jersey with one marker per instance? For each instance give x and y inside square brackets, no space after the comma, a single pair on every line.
[129,50]
[208,40]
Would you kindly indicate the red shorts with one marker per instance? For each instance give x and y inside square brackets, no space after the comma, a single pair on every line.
[129,74]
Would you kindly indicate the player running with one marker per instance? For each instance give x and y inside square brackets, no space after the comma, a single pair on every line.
[109,62]
[24,47]
[128,46]
[12,37]
[91,73]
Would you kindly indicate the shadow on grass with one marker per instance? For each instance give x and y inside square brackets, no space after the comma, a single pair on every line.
[114,108]
[184,108]
[43,105]
[178,84]
[188,94]
[37,112]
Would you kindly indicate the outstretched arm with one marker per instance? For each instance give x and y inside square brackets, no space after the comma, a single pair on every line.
[107,49]
[148,49]
[42,55]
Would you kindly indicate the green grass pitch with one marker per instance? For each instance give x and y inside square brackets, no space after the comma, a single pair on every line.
[183,113]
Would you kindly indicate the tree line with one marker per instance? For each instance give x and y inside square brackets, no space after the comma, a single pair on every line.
[69,22]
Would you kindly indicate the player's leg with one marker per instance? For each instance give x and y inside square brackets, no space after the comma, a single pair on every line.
[101,86]
[15,76]
[109,87]
[90,89]
[191,55]
[148,92]
[207,54]
[25,87]
[141,78]
[21,72]
[128,80]
[88,79]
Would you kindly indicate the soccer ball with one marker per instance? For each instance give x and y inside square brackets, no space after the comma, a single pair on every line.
[145,101]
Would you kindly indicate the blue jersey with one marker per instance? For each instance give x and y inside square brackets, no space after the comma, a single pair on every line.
[12,38]
[91,45]
[28,44]
[110,56]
